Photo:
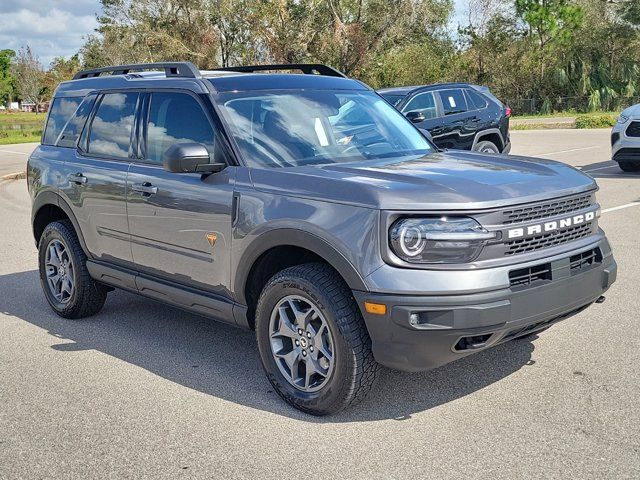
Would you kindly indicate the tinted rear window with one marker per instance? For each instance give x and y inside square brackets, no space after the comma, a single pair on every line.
[453,101]
[476,100]
[61,110]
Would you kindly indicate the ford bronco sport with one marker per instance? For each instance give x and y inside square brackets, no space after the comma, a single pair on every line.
[305,207]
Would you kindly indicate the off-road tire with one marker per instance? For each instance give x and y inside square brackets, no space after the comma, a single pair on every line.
[88,296]
[355,369]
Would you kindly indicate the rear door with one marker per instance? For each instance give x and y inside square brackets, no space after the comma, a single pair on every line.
[95,175]
[180,223]
[458,127]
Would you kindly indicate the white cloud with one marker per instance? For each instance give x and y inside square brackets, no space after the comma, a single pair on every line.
[52,29]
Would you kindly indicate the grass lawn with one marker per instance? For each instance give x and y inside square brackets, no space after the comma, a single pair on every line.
[562,114]
[20,127]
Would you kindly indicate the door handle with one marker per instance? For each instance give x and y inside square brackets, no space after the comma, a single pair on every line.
[144,188]
[77,178]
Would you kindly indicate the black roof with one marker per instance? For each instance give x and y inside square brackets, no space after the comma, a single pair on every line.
[435,86]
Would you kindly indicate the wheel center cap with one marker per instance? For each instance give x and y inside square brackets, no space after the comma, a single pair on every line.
[303,342]
[62,271]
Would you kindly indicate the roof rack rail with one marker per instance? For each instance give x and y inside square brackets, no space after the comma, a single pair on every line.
[306,68]
[171,69]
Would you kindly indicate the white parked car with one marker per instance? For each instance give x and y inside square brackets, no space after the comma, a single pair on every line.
[625,140]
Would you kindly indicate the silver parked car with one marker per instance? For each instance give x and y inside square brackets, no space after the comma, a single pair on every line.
[625,140]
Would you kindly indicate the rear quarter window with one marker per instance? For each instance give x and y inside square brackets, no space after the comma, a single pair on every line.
[73,128]
[61,110]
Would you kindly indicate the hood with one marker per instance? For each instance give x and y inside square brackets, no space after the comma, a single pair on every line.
[633,111]
[453,180]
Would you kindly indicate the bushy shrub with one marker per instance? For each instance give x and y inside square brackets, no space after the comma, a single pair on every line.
[602,120]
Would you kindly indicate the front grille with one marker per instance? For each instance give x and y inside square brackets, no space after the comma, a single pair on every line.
[547,209]
[545,240]
[633,130]
[584,260]
[530,276]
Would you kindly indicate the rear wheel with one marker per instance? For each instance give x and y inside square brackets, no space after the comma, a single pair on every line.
[629,166]
[66,282]
[314,346]
[485,146]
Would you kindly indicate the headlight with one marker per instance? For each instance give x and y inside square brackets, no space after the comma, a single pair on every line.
[623,119]
[438,239]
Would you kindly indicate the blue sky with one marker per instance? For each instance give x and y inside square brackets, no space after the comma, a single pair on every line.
[58,27]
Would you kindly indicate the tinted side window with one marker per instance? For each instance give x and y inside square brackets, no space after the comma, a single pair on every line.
[176,118]
[61,111]
[476,100]
[110,132]
[71,132]
[453,101]
[424,103]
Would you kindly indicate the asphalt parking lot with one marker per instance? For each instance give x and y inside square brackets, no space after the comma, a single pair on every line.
[144,390]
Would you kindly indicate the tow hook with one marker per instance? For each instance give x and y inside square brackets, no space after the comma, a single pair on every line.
[601,299]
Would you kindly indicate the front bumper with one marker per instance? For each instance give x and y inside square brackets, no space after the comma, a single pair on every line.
[426,331]
[624,148]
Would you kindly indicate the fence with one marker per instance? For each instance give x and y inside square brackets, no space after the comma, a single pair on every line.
[536,106]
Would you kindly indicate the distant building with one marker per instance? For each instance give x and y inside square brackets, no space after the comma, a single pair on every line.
[31,107]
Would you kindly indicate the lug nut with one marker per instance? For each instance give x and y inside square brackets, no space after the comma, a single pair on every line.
[311,348]
[300,332]
[304,353]
[308,334]
[297,343]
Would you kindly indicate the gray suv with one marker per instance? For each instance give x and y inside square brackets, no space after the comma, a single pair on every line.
[305,207]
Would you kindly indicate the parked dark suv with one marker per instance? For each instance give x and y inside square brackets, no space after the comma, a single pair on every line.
[307,208]
[457,115]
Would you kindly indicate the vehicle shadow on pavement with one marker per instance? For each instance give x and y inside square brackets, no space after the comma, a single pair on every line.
[222,361]
[607,169]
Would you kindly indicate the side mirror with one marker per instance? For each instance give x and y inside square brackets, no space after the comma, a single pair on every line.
[189,158]
[426,133]
[416,117]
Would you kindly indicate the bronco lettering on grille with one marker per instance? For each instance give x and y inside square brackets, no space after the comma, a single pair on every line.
[551,226]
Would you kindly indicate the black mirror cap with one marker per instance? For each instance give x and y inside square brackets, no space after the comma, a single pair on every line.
[189,158]
[416,117]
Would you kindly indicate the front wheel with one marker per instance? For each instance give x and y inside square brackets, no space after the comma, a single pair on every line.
[314,346]
[69,289]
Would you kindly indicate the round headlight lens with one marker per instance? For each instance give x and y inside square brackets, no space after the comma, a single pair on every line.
[438,240]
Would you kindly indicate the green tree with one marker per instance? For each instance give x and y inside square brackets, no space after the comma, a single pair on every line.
[30,77]
[7,80]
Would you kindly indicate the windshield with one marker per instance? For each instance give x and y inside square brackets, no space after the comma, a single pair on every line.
[294,128]
[393,98]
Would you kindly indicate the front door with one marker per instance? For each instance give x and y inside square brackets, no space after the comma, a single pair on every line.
[180,223]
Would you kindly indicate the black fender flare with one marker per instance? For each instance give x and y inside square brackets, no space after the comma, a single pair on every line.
[281,237]
[488,131]
[47,198]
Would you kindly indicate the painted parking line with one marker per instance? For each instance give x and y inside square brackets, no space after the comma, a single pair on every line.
[13,151]
[568,150]
[620,207]
[600,168]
